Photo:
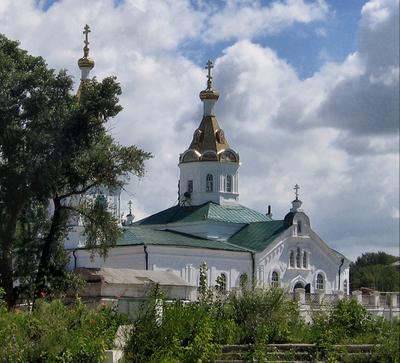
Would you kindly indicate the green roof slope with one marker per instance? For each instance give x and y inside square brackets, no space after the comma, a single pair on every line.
[257,236]
[208,211]
[137,235]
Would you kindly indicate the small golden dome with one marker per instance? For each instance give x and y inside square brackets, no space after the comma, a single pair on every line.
[209,94]
[86,62]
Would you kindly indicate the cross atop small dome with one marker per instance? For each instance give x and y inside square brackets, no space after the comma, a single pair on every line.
[85,63]
[209,66]
[296,204]
[296,191]
[209,93]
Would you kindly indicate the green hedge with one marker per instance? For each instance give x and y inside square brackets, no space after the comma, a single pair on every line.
[54,332]
[194,332]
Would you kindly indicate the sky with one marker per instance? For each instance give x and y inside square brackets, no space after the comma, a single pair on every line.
[309,95]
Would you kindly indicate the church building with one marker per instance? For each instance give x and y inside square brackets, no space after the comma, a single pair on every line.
[210,225]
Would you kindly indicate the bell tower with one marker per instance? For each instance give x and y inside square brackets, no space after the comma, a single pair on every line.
[209,167]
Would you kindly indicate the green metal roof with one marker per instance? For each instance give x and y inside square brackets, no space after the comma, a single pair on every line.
[208,211]
[253,237]
[257,236]
[137,235]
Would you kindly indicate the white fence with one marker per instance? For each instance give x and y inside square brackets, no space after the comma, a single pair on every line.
[385,304]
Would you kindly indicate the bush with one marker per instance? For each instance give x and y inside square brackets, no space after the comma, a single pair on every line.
[54,332]
[186,334]
[264,316]
[194,332]
[350,323]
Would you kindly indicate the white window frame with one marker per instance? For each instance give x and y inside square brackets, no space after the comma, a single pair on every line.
[209,183]
[275,282]
[305,259]
[229,183]
[292,262]
[320,285]
[190,186]
[298,258]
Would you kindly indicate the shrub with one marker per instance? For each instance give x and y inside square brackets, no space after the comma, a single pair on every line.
[186,334]
[54,332]
[266,316]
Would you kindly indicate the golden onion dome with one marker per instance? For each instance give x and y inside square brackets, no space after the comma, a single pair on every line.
[209,94]
[86,62]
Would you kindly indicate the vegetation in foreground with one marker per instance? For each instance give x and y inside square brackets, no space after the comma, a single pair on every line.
[172,332]
[196,332]
[54,332]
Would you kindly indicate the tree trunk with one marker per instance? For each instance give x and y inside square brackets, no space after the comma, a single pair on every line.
[51,238]
[6,270]
[6,256]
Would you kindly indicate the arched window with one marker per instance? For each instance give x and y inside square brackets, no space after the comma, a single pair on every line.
[243,281]
[209,183]
[190,186]
[299,228]
[221,283]
[275,279]
[291,259]
[345,287]
[305,262]
[298,258]
[320,282]
[229,183]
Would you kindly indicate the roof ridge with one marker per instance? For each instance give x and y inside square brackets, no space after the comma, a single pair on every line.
[184,234]
[235,245]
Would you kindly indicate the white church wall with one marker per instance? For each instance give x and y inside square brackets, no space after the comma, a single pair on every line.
[319,260]
[118,257]
[182,260]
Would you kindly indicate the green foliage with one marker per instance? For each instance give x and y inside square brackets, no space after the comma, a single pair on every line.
[54,146]
[375,271]
[350,319]
[347,322]
[205,293]
[350,323]
[388,341]
[264,315]
[185,334]
[55,332]
[193,332]
[3,305]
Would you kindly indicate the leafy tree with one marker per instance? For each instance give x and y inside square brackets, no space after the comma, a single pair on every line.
[54,146]
[375,271]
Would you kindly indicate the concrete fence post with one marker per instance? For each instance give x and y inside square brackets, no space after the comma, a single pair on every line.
[357,296]
[320,297]
[393,300]
[376,301]
[300,295]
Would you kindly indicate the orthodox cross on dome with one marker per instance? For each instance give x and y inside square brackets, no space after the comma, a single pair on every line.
[130,206]
[209,66]
[296,193]
[86,31]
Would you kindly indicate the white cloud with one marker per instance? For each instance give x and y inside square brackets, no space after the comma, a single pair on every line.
[247,19]
[376,12]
